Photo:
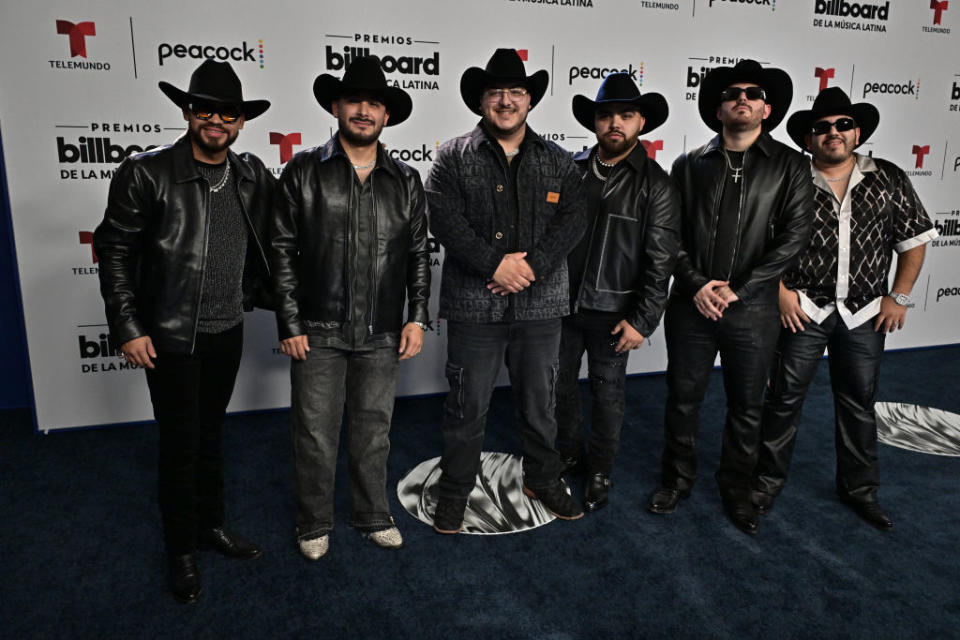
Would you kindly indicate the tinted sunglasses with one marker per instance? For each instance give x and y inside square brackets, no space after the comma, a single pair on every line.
[823,127]
[229,115]
[733,93]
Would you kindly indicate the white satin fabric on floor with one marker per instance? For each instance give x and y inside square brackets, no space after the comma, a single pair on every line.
[918,428]
[497,503]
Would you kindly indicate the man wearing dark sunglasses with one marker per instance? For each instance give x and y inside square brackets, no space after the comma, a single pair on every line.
[745,216]
[837,297]
[180,260]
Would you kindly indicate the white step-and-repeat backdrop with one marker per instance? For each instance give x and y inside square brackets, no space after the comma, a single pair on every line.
[78,92]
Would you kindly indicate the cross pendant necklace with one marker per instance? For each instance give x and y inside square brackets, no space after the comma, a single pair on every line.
[737,171]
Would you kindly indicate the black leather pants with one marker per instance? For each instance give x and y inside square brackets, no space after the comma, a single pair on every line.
[855,357]
[745,337]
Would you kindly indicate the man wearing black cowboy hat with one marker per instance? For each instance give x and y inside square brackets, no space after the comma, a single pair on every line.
[836,296]
[619,272]
[180,259]
[746,215]
[508,208]
[348,248]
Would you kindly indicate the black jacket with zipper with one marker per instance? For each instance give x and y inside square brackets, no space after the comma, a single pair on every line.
[152,243]
[633,242]
[774,218]
[314,246]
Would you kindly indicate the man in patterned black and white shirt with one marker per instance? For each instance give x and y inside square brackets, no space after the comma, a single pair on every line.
[837,297]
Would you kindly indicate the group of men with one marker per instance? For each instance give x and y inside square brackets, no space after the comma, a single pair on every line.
[548,256]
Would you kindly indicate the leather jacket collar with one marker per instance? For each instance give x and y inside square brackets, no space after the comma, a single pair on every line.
[637,159]
[762,144]
[185,168]
[332,148]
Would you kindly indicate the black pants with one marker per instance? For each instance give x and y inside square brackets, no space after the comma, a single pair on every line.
[745,337]
[475,353]
[190,394]
[607,372]
[855,356]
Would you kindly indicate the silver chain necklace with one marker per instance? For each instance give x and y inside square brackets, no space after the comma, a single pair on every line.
[364,167]
[737,171]
[840,179]
[596,168]
[215,188]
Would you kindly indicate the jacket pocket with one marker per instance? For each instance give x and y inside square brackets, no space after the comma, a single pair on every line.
[618,265]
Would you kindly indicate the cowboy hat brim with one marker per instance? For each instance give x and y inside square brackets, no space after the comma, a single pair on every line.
[864,114]
[475,79]
[249,108]
[775,82]
[652,106]
[327,88]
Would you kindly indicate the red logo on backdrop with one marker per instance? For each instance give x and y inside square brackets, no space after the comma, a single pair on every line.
[77,33]
[824,75]
[920,152]
[652,146]
[86,237]
[938,6]
[285,142]
[525,53]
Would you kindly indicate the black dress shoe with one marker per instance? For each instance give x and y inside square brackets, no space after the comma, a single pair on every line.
[743,514]
[227,544]
[666,499]
[596,495]
[556,498]
[183,578]
[871,512]
[763,502]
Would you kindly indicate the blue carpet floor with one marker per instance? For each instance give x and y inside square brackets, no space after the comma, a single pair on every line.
[81,552]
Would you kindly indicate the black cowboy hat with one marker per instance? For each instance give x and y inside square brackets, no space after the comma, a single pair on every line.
[504,65]
[833,101]
[364,75]
[775,82]
[620,88]
[215,83]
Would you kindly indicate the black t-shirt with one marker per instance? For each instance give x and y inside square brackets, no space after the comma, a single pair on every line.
[725,245]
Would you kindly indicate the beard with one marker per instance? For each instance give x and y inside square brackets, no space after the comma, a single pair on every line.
[613,148]
[834,155]
[358,138]
[738,121]
[212,146]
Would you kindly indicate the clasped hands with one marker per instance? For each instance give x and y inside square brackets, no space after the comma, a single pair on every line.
[513,275]
[713,299]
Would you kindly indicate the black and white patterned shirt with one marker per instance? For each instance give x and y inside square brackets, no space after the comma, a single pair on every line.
[846,267]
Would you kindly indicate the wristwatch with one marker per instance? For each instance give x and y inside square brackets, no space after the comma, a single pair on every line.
[422,325]
[901,299]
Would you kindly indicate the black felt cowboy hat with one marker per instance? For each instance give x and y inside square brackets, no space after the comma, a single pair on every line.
[833,101]
[215,83]
[364,76]
[504,66]
[775,83]
[620,88]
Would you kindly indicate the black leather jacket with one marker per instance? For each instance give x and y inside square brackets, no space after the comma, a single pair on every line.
[776,212]
[314,247]
[152,243]
[634,241]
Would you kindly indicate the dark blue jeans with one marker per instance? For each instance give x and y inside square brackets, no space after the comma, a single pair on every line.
[855,356]
[607,373]
[190,394]
[745,337]
[474,355]
[328,380]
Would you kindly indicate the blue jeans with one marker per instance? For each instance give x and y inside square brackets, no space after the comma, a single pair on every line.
[607,372]
[364,381]
[474,354]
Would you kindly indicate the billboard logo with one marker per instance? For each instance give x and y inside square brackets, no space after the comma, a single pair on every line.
[285,142]
[77,33]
